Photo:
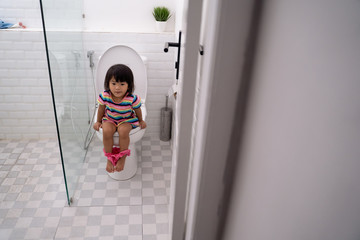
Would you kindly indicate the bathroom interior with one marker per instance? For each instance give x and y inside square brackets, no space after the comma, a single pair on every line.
[293,174]
[53,179]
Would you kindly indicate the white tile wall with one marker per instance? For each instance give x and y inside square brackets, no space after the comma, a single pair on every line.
[68,14]
[26,110]
[25,105]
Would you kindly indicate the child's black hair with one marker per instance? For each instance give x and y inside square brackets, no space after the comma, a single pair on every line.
[121,73]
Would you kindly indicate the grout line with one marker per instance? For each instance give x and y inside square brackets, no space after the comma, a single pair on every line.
[152,141]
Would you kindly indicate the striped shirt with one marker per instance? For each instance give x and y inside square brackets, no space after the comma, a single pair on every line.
[122,111]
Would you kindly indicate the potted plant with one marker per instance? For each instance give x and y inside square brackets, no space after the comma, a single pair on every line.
[161,15]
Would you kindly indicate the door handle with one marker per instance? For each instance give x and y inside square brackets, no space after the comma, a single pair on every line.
[178,45]
[201,50]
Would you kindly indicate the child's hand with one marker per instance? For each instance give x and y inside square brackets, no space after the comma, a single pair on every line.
[142,124]
[97,126]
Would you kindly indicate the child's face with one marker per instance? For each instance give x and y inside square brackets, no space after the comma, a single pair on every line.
[118,89]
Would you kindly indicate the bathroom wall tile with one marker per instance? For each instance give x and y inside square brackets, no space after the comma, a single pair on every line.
[7,3]
[14,12]
[12,38]
[16,90]
[160,56]
[30,82]
[33,36]
[14,54]
[9,101]
[157,98]
[6,64]
[5,106]
[6,43]
[4,73]
[149,48]
[164,74]
[40,46]
[3,114]
[32,13]
[28,64]
[17,73]
[51,135]
[42,64]
[10,135]
[26,4]
[159,91]
[161,65]
[22,45]
[32,99]
[35,55]
[24,61]
[157,106]
[15,114]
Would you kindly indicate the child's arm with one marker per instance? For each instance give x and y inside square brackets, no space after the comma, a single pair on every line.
[138,113]
[100,115]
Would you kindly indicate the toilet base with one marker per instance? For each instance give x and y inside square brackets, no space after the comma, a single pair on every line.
[130,168]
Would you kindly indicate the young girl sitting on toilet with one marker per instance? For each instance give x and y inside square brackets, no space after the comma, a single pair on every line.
[119,110]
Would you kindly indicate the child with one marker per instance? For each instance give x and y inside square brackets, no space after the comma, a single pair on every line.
[119,110]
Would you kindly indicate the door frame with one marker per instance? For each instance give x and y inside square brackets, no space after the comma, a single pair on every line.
[203,172]
[184,119]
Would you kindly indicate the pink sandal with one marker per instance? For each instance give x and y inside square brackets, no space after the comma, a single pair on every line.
[115,155]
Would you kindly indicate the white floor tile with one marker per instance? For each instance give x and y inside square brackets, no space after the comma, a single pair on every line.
[33,201]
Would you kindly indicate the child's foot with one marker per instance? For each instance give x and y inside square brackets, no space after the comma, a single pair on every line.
[109,167]
[120,164]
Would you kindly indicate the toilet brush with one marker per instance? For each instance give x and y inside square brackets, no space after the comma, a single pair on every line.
[165,122]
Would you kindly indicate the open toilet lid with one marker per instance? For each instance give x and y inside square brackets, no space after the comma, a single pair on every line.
[121,54]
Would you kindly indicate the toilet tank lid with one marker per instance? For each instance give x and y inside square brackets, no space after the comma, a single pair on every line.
[121,54]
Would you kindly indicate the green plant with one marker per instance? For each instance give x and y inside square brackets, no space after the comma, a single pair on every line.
[161,14]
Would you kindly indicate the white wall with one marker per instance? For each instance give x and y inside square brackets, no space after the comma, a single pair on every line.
[181,14]
[298,174]
[25,101]
[107,15]
[125,15]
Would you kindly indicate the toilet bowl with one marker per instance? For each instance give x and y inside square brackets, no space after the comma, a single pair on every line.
[121,54]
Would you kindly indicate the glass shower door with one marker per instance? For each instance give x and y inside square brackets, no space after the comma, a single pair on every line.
[62,22]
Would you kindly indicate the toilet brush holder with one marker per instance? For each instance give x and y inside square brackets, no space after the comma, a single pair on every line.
[165,122]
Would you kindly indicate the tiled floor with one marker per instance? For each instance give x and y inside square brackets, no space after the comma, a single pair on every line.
[33,201]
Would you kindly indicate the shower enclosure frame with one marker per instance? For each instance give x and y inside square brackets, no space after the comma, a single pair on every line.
[72,162]
[53,101]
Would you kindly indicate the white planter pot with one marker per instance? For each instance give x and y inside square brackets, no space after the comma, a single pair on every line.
[160,26]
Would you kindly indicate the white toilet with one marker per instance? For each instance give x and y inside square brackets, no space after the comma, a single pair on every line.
[124,55]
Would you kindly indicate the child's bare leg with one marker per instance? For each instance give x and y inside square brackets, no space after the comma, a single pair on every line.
[108,133]
[124,141]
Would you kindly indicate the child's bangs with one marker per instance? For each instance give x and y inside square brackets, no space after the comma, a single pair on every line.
[122,77]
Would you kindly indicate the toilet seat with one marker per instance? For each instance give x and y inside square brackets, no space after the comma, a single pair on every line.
[135,134]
